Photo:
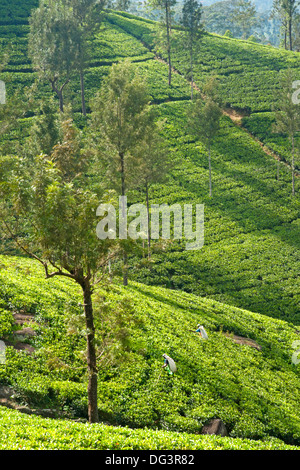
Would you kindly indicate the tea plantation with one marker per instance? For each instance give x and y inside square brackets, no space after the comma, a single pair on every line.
[254,390]
[243,285]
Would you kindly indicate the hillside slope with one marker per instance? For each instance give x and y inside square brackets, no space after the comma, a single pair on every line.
[46,434]
[251,255]
[243,286]
[243,374]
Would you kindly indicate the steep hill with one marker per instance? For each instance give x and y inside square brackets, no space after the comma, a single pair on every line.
[251,216]
[243,285]
[243,374]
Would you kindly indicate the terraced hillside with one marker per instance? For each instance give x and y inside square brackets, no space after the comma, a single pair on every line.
[251,253]
[243,285]
[239,375]
[249,72]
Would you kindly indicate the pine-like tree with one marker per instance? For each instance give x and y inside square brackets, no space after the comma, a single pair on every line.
[287,115]
[193,30]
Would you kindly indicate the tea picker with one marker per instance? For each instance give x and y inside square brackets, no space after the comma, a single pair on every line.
[169,364]
[201,331]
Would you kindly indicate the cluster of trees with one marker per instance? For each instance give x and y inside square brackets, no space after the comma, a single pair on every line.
[60,50]
[273,21]
[50,192]
[192,28]
[51,188]
[288,13]
[242,19]
[279,24]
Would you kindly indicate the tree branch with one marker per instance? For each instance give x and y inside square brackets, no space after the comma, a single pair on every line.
[59,271]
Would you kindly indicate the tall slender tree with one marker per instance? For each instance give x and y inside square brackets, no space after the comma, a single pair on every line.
[290,9]
[204,122]
[193,30]
[53,44]
[287,115]
[287,10]
[165,7]
[87,17]
[120,117]
[152,165]
[48,209]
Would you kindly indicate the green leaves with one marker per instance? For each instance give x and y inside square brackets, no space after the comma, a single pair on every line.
[50,434]
[6,323]
[216,378]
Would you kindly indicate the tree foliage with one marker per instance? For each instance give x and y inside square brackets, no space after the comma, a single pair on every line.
[166,9]
[204,122]
[191,21]
[287,115]
[53,44]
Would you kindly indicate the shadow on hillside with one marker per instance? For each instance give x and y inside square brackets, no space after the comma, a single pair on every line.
[161,298]
[257,201]
[257,56]
[264,299]
[223,284]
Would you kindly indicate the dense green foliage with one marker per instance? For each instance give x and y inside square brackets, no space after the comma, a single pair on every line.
[47,434]
[237,264]
[251,235]
[261,126]
[248,72]
[251,224]
[245,387]
[16,12]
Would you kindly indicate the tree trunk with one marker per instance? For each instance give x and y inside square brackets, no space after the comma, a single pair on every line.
[110,271]
[168,42]
[293,165]
[148,221]
[285,38]
[59,92]
[61,101]
[123,190]
[122,161]
[290,34]
[192,77]
[91,352]
[125,269]
[83,105]
[209,166]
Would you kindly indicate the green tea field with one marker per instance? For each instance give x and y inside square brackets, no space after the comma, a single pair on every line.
[243,285]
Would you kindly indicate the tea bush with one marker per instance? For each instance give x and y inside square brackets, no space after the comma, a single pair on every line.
[6,323]
[251,233]
[251,222]
[260,125]
[248,72]
[49,434]
[218,378]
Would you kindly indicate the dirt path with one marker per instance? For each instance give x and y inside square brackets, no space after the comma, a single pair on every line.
[23,333]
[243,341]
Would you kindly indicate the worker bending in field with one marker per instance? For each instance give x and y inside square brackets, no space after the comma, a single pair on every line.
[202,332]
[169,364]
